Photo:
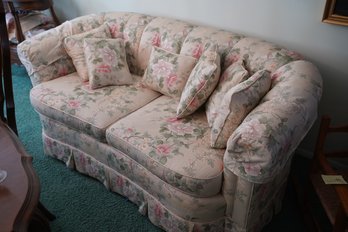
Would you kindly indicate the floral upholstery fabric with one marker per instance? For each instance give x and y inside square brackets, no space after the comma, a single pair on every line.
[130,27]
[258,155]
[232,76]
[236,104]
[175,150]
[251,205]
[261,146]
[71,102]
[159,200]
[117,171]
[85,23]
[259,55]
[117,22]
[201,82]
[168,72]
[165,33]
[41,65]
[106,62]
[199,36]
[74,47]
[44,55]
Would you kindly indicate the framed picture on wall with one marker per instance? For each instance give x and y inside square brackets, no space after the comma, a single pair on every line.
[336,12]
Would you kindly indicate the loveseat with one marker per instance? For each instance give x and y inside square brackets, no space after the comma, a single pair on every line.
[206,147]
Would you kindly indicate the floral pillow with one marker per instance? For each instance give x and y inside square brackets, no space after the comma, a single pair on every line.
[74,47]
[168,72]
[236,104]
[106,62]
[233,75]
[201,82]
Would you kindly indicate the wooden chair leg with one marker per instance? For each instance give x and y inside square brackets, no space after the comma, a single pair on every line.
[6,73]
[54,16]
[19,32]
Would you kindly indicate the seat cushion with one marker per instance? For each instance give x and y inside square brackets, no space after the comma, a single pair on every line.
[176,150]
[69,101]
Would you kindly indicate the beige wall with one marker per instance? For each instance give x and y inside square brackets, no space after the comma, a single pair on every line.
[295,24]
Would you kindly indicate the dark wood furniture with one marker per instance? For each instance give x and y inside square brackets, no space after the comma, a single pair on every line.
[20,208]
[27,5]
[336,12]
[6,92]
[333,198]
[39,5]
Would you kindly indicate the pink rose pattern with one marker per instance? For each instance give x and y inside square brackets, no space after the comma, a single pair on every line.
[163,149]
[168,72]
[171,80]
[156,39]
[74,104]
[106,62]
[115,31]
[197,51]
[163,68]
[103,68]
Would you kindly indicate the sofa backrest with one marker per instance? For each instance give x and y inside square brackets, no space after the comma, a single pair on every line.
[141,32]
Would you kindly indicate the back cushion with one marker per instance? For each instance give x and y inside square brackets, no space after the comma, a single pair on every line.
[165,33]
[85,23]
[199,36]
[129,26]
[259,54]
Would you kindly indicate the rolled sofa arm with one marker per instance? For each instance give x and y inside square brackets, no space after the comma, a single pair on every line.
[44,56]
[261,146]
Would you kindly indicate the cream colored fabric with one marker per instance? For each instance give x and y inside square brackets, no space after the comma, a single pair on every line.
[168,72]
[255,163]
[130,27]
[201,82]
[233,75]
[162,32]
[123,175]
[176,150]
[106,62]
[71,102]
[236,104]
[74,47]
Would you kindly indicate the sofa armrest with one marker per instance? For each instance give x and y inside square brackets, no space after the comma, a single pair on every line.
[44,56]
[261,146]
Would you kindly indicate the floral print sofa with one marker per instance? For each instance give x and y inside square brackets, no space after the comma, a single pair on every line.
[129,138]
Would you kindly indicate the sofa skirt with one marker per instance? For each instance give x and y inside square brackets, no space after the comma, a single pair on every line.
[166,207]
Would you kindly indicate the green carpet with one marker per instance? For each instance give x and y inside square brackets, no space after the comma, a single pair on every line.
[83,204]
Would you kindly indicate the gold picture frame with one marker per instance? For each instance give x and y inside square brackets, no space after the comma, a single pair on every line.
[336,12]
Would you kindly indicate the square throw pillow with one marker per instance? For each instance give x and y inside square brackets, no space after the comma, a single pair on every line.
[106,62]
[168,72]
[236,104]
[201,82]
[233,75]
[73,45]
